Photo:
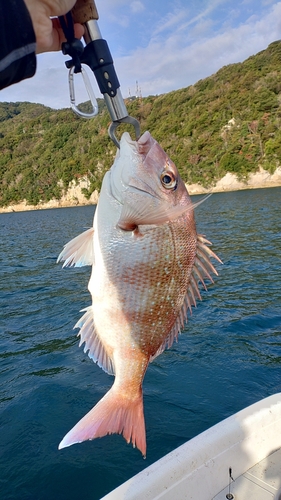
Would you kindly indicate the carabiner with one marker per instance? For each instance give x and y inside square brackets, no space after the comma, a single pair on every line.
[90,93]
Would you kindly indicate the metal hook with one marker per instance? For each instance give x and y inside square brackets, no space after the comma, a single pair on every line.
[90,93]
[113,126]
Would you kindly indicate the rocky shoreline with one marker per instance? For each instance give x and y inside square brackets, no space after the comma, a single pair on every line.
[74,197]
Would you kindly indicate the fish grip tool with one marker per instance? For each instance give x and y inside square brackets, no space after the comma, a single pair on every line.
[97,56]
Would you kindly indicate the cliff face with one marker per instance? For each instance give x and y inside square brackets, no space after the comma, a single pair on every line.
[74,196]
[230,182]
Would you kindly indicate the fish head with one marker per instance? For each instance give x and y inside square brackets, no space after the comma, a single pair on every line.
[146,182]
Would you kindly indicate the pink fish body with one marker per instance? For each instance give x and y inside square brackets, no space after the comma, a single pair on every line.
[146,259]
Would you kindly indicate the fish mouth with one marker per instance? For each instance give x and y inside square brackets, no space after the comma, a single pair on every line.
[122,178]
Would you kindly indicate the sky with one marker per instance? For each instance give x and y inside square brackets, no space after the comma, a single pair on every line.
[160,46]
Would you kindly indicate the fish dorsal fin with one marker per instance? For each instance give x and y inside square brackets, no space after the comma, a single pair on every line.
[93,344]
[79,251]
[202,268]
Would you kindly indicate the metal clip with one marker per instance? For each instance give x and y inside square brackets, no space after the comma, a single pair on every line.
[113,126]
[90,93]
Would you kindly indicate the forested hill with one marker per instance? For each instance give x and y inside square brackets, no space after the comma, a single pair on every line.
[228,122]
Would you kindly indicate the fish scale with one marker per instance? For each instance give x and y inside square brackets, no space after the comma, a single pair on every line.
[147,259]
[144,276]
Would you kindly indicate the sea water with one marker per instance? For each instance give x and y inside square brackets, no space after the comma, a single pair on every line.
[228,357]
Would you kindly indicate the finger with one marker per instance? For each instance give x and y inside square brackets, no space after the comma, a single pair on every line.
[78,30]
[57,37]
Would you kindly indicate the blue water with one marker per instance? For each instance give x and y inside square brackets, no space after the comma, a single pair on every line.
[228,357]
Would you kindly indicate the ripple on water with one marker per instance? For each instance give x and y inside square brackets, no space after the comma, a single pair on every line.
[228,356]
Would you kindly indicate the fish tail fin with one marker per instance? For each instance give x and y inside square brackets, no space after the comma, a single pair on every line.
[114,413]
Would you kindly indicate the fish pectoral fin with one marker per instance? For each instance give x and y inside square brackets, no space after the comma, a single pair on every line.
[148,211]
[79,251]
[201,270]
[93,343]
[113,414]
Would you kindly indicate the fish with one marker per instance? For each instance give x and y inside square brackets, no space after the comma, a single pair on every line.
[147,261]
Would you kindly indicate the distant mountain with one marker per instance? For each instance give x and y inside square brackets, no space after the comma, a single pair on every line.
[228,122]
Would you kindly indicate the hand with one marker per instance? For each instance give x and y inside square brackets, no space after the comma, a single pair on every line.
[49,35]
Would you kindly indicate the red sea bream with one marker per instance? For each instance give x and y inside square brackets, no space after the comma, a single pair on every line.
[147,259]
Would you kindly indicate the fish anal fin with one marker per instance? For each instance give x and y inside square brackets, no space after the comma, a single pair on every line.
[168,342]
[113,414]
[79,251]
[93,344]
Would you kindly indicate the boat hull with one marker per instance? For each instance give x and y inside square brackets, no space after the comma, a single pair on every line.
[199,469]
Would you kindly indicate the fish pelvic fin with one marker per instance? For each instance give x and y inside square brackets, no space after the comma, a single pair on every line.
[79,251]
[202,269]
[93,344]
[113,414]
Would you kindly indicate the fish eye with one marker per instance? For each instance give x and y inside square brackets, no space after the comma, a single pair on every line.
[168,180]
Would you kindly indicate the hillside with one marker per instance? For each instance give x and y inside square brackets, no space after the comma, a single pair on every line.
[228,122]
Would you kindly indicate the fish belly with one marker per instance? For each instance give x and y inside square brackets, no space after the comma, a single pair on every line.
[139,282]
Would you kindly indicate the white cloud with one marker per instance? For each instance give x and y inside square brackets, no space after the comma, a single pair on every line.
[209,9]
[183,64]
[113,10]
[49,85]
[137,7]
[171,20]
[177,48]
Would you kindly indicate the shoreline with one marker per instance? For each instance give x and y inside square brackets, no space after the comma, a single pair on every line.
[74,198]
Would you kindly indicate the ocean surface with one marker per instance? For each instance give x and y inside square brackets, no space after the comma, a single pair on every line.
[228,357]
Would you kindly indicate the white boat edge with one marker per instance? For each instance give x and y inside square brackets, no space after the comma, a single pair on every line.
[199,469]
